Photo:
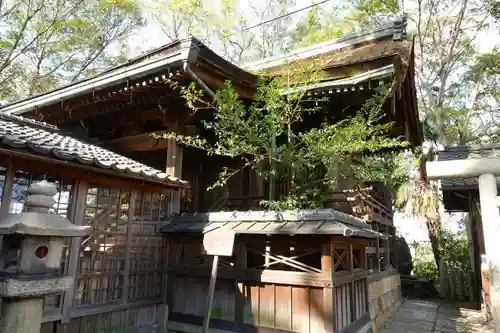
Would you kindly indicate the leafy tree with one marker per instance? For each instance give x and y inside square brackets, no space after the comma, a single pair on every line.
[269,136]
[47,43]
[419,198]
[226,26]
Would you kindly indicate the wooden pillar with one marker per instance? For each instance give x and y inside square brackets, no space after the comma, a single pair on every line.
[387,253]
[352,294]
[328,291]
[77,217]
[240,266]
[377,249]
[128,246]
[174,168]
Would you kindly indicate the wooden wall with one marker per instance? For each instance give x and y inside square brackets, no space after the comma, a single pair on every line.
[292,284]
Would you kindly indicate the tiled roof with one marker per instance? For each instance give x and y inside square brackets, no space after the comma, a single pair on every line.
[42,138]
[297,222]
[463,153]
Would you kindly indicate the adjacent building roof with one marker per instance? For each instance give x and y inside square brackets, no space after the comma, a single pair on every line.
[43,139]
[464,152]
[156,64]
[297,222]
[333,48]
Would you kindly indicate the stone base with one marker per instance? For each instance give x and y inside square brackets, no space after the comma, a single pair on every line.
[385,298]
[21,316]
[14,288]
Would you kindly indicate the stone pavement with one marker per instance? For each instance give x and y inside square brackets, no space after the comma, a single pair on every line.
[419,316]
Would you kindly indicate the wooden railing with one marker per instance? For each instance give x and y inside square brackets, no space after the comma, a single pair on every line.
[351,301]
[362,203]
[457,285]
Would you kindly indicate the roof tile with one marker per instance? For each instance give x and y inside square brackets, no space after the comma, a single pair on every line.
[22,133]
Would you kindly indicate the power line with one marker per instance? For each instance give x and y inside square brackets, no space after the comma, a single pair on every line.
[285,15]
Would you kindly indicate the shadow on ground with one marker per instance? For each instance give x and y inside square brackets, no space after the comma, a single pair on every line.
[418,316]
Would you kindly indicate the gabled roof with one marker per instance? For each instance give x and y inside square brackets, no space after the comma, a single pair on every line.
[18,133]
[396,30]
[166,59]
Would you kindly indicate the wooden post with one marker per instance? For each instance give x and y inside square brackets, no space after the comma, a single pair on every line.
[211,291]
[328,291]
[174,168]
[77,217]
[378,249]
[387,254]
[240,301]
[128,247]
[460,286]
[452,277]
[471,285]
[444,283]
[352,294]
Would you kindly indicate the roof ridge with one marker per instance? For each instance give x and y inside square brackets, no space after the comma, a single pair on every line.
[397,28]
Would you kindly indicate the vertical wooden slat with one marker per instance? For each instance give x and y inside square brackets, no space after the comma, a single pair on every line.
[128,246]
[328,302]
[300,309]
[352,295]
[77,216]
[387,254]
[240,266]
[378,249]
[316,309]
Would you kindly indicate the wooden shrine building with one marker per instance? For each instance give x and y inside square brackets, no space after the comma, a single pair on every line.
[292,271]
[119,266]
[120,108]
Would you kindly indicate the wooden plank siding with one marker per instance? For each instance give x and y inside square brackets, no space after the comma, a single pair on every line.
[277,289]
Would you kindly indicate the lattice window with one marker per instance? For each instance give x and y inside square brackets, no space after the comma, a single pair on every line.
[284,253]
[147,252]
[341,259]
[102,254]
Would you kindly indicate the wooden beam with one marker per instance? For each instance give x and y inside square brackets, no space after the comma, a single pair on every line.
[327,265]
[77,216]
[146,141]
[140,142]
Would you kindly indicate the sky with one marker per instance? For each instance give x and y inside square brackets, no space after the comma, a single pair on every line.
[151,35]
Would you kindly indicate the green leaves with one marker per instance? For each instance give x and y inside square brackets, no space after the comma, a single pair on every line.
[271,136]
[52,42]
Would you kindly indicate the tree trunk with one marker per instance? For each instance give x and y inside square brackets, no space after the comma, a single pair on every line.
[435,232]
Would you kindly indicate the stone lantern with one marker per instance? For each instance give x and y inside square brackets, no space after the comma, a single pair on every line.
[32,249]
